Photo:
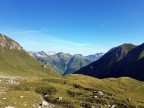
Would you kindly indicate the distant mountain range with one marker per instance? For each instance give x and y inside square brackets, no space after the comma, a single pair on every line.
[124,60]
[65,63]
[29,81]
[15,61]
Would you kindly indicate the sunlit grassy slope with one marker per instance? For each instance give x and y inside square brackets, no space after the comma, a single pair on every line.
[19,63]
[25,82]
[77,91]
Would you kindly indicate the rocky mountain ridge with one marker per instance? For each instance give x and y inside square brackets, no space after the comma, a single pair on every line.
[92,57]
[14,61]
[8,43]
[65,63]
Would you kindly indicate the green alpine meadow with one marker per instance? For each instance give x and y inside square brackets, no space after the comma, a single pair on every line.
[71,53]
[26,82]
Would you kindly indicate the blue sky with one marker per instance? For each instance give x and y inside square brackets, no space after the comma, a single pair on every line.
[73,26]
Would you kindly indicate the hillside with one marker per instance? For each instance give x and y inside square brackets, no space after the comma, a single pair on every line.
[63,63]
[94,57]
[75,63]
[125,60]
[25,82]
[74,91]
[14,61]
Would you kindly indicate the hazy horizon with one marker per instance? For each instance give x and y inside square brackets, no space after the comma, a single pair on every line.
[73,26]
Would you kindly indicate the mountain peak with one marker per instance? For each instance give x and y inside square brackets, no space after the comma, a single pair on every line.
[78,55]
[8,43]
[124,60]
[142,44]
[51,53]
[122,50]
[127,46]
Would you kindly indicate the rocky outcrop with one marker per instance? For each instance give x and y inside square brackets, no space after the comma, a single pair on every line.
[8,43]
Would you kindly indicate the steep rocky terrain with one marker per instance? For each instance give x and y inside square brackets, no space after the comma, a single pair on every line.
[14,61]
[7,43]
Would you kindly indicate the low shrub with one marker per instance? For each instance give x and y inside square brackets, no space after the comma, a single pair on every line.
[50,90]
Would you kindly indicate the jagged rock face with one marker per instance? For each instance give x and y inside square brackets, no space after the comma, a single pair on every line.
[8,43]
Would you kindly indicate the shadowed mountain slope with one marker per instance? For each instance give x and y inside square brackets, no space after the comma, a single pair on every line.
[125,60]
